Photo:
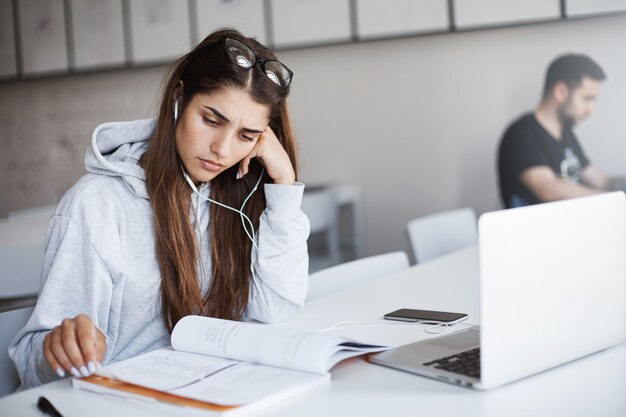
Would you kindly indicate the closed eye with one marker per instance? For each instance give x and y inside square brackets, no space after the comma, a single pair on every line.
[248,138]
[210,122]
[255,133]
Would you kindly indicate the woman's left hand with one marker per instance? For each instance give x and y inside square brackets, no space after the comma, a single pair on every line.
[273,156]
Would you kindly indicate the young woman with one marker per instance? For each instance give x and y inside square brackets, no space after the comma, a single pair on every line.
[169,221]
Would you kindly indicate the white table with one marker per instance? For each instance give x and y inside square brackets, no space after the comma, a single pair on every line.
[592,386]
[21,255]
[23,230]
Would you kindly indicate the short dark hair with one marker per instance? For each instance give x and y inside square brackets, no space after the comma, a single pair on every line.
[570,69]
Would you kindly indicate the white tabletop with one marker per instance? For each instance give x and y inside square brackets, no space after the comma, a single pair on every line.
[23,230]
[21,255]
[449,283]
[592,386]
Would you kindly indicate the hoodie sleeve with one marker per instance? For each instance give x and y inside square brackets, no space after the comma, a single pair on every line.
[74,280]
[281,262]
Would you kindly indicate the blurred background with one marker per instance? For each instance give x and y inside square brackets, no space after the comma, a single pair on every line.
[397,104]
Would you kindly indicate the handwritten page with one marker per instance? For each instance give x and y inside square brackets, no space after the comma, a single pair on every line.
[246,383]
[165,369]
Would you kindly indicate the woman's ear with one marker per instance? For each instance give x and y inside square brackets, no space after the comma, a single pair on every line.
[180,88]
[178,93]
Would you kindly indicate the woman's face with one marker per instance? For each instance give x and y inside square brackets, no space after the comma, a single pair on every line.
[218,130]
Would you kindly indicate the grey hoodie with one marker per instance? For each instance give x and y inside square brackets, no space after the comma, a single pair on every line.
[100,259]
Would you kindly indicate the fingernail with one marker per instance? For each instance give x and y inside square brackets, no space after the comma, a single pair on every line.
[238,175]
[75,372]
[91,366]
[60,372]
[84,371]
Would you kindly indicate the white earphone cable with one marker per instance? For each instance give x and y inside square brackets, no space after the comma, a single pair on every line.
[250,233]
[431,329]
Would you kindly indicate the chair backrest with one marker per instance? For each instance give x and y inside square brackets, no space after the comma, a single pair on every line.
[353,273]
[438,234]
[11,322]
[320,206]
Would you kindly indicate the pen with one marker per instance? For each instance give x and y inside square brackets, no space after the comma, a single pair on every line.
[46,407]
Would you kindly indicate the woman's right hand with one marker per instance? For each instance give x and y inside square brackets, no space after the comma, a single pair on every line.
[76,346]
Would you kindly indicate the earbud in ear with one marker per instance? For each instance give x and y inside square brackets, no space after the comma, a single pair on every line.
[177,96]
[176,110]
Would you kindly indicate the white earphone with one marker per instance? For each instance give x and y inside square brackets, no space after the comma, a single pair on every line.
[178,93]
[250,233]
[176,110]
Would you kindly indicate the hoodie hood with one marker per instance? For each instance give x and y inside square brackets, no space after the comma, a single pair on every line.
[115,151]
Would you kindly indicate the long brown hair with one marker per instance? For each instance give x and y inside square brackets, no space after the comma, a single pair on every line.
[207,69]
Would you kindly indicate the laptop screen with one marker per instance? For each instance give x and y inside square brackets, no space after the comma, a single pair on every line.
[553,284]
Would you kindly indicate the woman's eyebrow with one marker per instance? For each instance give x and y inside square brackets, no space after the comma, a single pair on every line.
[226,120]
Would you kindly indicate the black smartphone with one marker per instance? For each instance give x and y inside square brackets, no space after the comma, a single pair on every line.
[408,314]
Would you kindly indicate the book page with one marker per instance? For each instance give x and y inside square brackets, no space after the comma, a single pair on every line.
[260,343]
[165,369]
[246,383]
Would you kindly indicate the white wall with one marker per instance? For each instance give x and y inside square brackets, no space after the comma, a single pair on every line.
[415,121]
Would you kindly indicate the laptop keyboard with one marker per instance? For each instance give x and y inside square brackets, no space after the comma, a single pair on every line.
[464,363]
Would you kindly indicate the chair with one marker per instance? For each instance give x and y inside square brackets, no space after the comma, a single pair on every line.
[349,199]
[321,208]
[11,322]
[438,234]
[354,273]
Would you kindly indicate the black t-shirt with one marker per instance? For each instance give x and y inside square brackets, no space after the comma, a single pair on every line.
[527,144]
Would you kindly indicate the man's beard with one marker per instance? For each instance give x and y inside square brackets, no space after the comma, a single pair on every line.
[566,120]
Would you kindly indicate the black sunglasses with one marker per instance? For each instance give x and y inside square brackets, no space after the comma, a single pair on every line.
[245,58]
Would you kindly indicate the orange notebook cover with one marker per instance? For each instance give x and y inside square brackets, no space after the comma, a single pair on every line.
[112,385]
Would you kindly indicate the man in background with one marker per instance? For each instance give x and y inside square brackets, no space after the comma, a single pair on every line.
[539,158]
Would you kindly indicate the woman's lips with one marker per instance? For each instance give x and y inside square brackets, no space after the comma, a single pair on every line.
[211,165]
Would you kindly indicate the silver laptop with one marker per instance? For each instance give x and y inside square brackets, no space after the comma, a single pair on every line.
[552,288]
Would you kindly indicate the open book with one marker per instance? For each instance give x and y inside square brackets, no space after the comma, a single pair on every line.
[227,366]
